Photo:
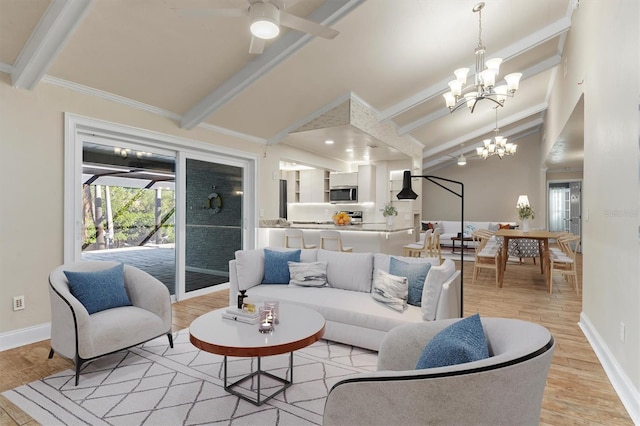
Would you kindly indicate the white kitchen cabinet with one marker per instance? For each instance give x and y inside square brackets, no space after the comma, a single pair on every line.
[293,186]
[366,183]
[313,186]
[343,179]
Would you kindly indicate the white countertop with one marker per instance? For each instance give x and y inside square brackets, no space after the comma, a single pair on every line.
[366,227]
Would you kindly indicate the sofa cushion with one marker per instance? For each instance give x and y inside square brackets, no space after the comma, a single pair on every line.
[416,274]
[390,290]
[250,268]
[383,261]
[99,290]
[337,306]
[312,274]
[436,277]
[348,271]
[276,267]
[463,341]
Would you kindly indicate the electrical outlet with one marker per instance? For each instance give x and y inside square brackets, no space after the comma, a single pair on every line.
[622,332]
[18,303]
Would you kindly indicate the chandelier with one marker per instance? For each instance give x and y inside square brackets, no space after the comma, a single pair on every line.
[485,78]
[496,146]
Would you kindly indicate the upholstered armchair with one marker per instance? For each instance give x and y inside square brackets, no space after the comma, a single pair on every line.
[505,388]
[82,337]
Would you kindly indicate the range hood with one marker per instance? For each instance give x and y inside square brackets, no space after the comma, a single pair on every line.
[351,122]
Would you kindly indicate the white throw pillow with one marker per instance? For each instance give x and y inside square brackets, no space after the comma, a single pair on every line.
[312,274]
[436,277]
[390,290]
[348,271]
[250,267]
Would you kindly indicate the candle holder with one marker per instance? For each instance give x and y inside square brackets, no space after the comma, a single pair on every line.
[266,320]
[274,307]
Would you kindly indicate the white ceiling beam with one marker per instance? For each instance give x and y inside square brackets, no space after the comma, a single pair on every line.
[521,131]
[59,21]
[528,73]
[547,33]
[327,14]
[484,130]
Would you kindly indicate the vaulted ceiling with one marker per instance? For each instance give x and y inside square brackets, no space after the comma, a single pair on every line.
[178,59]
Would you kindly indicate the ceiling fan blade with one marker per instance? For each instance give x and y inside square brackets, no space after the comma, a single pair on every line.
[306,26]
[211,12]
[257,45]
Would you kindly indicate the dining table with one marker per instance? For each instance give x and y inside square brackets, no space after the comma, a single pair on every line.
[541,236]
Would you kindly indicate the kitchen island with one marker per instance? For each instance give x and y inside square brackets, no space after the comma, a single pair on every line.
[365,237]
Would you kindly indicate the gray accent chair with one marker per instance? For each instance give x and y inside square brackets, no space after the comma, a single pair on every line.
[505,389]
[82,337]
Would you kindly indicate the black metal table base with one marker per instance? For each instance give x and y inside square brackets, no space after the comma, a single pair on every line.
[258,400]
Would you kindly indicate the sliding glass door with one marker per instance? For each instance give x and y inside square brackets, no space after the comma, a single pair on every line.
[176,208]
[128,208]
[213,211]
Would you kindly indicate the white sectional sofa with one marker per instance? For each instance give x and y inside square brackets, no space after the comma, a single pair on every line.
[351,313]
[451,228]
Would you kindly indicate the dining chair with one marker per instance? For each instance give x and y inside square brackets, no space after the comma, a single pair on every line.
[559,237]
[331,240]
[487,256]
[434,246]
[294,238]
[565,262]
[421,248]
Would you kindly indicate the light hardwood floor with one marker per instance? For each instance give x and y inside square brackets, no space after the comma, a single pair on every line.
[577,392]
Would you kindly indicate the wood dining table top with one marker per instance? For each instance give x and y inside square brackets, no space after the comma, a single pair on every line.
[516,233]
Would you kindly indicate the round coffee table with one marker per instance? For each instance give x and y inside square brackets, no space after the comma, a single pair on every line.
[298,327]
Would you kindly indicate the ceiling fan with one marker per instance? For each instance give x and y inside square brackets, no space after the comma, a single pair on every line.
[266,17]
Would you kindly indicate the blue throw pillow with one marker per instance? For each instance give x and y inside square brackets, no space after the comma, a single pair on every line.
[416,273]
[463,341]
[276,268]
[99,290]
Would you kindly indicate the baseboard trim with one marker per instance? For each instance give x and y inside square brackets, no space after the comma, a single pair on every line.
[24,336]
[629,395]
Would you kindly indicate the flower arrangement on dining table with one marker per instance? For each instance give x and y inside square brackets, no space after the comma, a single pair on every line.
[525,212]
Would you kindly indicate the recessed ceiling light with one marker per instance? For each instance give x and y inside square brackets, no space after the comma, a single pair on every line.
[349,149]
[329,142]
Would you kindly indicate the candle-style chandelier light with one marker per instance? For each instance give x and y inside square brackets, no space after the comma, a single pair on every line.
[485,78]
[496,146]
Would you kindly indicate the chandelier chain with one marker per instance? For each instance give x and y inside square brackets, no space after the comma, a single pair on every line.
[485,79]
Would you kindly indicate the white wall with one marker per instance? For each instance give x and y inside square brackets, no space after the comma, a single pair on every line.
[602,59]
[491,187]
[611,294]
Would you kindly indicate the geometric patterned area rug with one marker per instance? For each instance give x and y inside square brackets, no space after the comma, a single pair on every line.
[152,384]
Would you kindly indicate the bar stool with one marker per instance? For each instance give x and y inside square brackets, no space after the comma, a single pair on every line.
[293,239]
[331,240]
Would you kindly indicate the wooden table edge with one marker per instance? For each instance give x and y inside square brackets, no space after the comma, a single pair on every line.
[257,350]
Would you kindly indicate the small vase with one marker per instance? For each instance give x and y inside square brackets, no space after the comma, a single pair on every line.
[525,225]
[389,220]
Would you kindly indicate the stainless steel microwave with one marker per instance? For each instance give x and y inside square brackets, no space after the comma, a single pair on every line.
[345,194]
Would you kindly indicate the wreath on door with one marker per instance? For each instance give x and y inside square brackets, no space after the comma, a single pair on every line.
[215,202]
